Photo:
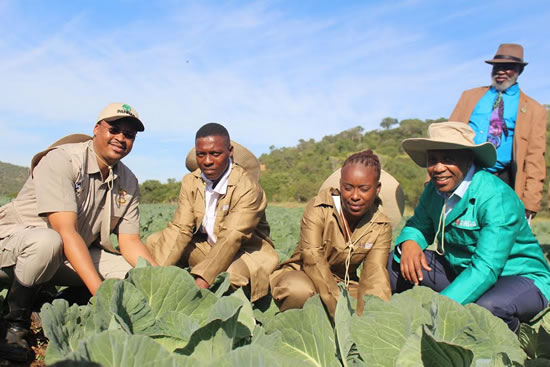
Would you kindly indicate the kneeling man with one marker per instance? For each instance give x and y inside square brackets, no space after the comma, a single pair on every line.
[486,252]
[220,222]
[58,227]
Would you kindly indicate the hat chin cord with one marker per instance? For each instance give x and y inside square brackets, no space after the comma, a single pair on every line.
[106,220]
[441,227]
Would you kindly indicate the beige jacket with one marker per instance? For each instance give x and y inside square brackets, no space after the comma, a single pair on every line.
[528,165]
[322,251]
[240,225]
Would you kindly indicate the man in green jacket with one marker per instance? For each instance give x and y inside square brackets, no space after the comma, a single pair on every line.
[485,250]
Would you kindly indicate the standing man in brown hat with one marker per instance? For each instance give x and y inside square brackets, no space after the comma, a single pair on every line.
[513,122]
[58,227]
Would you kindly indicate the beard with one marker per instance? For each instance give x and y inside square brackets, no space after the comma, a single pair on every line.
[501,87]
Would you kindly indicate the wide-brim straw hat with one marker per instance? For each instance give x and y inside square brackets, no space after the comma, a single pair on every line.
[242,156]
[449,135]
[508,53]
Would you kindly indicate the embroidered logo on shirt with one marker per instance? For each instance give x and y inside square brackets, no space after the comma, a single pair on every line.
[366,245]
[465,223]
[122,196]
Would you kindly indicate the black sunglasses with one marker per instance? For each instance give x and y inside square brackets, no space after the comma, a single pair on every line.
[115,130]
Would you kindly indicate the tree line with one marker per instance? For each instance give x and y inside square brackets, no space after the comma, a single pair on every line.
[294,174]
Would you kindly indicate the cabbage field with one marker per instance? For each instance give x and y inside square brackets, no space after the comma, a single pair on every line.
[159,317]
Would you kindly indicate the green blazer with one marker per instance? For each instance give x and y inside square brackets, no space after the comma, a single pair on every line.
[486,237]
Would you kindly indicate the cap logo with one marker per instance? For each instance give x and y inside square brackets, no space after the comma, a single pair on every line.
[126,109]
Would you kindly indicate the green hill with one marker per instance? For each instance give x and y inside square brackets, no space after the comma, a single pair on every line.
[12,178]
[295,174]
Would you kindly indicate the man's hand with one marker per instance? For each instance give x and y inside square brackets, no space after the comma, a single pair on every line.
[201,283]
[412,262]
[132,249]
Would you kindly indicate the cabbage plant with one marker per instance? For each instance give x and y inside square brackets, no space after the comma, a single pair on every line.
[159,317]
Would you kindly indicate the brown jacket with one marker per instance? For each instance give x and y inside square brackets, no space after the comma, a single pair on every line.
[240,225]
[322,251]
[528,165]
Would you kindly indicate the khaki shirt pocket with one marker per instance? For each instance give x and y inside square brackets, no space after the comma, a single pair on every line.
[116,217]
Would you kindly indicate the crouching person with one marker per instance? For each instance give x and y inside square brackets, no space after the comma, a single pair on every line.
[486,252]
[220,222]
[341,229]
[57,228]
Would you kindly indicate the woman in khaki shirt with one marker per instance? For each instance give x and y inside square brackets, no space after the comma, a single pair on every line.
[341,229]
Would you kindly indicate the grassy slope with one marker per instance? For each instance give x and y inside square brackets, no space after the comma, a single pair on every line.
[12,178]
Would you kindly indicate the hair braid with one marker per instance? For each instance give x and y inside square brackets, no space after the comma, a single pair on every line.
[367,158]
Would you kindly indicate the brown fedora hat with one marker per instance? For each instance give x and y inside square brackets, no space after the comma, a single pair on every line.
[508,53]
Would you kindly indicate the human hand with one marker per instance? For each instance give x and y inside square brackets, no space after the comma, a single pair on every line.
[201,283]
[412,262]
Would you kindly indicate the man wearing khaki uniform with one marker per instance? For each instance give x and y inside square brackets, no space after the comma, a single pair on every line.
[220,222]
[58,226]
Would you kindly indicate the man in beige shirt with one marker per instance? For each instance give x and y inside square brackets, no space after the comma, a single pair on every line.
[220,222]
[58,227]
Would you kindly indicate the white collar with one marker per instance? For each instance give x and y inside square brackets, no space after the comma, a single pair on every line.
[463,186]
[221,186]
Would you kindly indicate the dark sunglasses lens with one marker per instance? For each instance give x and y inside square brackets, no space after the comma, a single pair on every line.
[113,130]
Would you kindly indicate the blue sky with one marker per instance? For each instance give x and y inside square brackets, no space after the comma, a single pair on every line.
[272,72]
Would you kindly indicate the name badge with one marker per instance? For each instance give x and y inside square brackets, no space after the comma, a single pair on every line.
[366,245]
[465,223]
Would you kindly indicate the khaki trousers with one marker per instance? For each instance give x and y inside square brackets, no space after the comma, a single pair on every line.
[108,265]
[292,288]
[197,250]
[34,253]
[35,256]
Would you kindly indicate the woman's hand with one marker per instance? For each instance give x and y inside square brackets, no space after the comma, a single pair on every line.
[412,262]
[201,283]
